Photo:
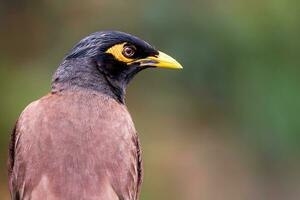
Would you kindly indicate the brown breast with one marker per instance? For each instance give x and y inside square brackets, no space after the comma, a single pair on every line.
[76,145]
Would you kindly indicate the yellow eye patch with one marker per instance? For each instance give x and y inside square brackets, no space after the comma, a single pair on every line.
[117,50]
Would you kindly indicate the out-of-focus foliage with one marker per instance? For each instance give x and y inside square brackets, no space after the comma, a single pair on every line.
[225,127]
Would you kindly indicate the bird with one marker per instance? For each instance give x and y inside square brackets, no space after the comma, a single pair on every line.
[79,140]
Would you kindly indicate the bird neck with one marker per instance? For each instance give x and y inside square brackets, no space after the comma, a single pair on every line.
[81,73]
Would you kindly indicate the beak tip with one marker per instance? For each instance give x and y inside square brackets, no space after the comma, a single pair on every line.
[176,66]
[180,67]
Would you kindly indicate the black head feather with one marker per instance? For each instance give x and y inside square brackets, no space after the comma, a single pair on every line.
[99,42]
[88,65]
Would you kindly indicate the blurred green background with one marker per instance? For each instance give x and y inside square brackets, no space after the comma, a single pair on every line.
[226,127]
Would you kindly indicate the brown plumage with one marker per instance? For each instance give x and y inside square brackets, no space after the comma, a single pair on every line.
[79,141]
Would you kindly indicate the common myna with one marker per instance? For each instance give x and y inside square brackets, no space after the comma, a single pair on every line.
[79,141]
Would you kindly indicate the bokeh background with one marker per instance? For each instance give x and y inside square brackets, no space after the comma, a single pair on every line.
[226,127]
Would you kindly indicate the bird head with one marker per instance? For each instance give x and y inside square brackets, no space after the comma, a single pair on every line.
[117,56]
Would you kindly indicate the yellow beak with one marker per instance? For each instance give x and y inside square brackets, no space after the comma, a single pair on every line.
[162,60]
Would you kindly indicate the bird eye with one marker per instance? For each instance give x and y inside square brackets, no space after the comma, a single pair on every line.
[128,51]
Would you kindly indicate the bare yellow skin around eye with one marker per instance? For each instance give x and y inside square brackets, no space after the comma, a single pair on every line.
[116,51]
